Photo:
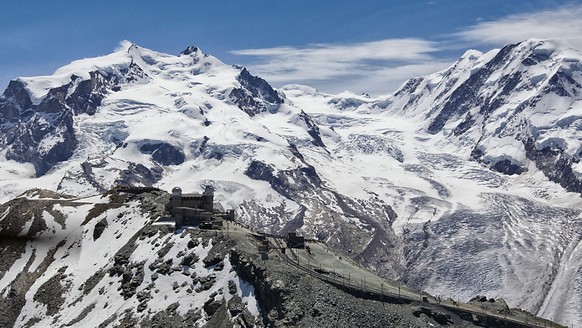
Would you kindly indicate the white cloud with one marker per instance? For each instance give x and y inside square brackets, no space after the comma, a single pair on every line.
[374,67]
[563,23]
[378,80]
[380,67]
[391,49]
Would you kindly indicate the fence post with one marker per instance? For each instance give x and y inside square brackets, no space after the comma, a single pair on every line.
[382,286]
[382,297]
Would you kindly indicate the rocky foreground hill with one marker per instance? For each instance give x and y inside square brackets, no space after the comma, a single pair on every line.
[109,261]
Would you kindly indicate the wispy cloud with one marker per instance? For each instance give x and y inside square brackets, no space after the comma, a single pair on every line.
[563,23]
[359,67]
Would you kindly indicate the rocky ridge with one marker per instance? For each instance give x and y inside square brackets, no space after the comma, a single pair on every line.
[152,276]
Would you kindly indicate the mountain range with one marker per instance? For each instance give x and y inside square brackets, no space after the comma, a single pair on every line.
[464,182]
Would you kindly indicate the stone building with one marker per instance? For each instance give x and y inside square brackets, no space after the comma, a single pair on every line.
[192,209]
[197,209]
[295,241]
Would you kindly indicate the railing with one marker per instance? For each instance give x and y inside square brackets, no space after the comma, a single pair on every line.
[384,294]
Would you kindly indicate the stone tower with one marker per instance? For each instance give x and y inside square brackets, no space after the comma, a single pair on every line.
[208,198]
[176,197]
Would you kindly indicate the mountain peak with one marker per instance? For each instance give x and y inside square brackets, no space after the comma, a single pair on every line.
[124,46]
[471,54]
[191,50]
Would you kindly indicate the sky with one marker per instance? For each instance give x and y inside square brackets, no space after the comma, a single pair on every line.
[368,46]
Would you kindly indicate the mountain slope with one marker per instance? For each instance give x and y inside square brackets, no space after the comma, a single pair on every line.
[446,184]
[109,261]
[103,261]
[510,107]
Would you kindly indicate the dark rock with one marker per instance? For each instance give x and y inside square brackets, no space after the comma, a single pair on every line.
[139,175]
[192,316]
[192,243]
[138,277]
[440,318]
[190,50]
[555,164]
[312,129]
[207,282]
[50,293]
[232,287]
[52,118]
[133,73]
[507,167]
[165,249]
[219,266]
[303,178]
[163,153]
[255,95]
[155,264]
[190,259]
[211,306]
[82,315]
[235,306]
[142,306]
[207,285]
[14,102]
[171,309]
[93,281]
[99,228]
[210,261]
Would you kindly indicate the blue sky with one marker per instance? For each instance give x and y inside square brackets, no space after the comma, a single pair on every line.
[334,45]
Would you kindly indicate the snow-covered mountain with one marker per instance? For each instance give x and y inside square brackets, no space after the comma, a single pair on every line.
[463,182]
[510,107]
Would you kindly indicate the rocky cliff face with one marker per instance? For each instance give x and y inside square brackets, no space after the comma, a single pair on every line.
[43,134]
[254,95]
